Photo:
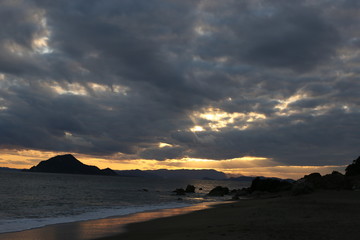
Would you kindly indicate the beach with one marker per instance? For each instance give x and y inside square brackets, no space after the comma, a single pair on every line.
[97,228]
[320,215]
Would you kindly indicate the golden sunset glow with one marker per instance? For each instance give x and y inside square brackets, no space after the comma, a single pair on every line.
[247,165]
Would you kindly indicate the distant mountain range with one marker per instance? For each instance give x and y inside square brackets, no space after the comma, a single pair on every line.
[69,164]
[179,174]
[9,169]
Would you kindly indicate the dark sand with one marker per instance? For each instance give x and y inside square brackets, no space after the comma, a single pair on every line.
[92,229]
[322,215]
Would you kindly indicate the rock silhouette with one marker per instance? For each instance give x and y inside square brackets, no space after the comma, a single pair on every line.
[179,191]
[190,189]
[219,191]
[270,185]
[353,169]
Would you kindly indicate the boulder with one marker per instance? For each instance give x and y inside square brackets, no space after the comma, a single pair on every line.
[270,185]
[316,180]
[336,180]
[240,193]
[302,187]
[179,191]
[219,191]
[190,189]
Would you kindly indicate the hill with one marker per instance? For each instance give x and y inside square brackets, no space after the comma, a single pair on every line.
[69,164]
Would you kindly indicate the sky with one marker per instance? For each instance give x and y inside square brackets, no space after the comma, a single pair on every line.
[246,87]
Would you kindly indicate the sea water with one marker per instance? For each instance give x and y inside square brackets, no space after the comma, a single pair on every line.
[31,200]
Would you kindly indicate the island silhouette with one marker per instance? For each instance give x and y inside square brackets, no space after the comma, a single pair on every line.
[69,164]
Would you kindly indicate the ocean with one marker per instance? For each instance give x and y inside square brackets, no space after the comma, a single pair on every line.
[32,200]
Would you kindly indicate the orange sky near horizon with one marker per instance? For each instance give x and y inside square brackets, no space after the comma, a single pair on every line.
[248,166]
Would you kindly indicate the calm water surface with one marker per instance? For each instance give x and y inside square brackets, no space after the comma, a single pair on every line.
[29,200]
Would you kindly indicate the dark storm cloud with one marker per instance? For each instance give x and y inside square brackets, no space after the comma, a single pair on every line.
[19,25]
[162,153]
[286,35]
[107,77]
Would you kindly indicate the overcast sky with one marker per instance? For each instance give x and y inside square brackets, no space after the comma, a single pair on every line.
[175,79]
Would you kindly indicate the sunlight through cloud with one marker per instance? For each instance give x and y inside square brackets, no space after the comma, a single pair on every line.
[218,119]
[162,145]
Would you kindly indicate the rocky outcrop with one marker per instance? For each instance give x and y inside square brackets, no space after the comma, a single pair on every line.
[302,187]
[238,193]
[353,169]
[219,191]
[190,189]
[271,185]
[69,164]
[336,180]
[311,182]
[179,191]
[315,179]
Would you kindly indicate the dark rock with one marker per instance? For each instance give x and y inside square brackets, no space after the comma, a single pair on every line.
[235,197]
[237,193]
[311,182]
[353,169]
[190,189]
[179,191]
[243,192]
[270,185]
[69,164]
[234,191]
[354,182]
[336,180]
[219,191]
[302,187]
[308,184]
[316,180]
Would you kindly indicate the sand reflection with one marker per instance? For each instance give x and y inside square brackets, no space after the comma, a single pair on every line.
[92,229]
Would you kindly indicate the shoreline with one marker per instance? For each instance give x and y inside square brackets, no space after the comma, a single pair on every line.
[95,214]
[327,214]
[98,228]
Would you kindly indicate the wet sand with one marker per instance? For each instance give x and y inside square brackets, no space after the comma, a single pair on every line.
[92,229]
[321,215]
